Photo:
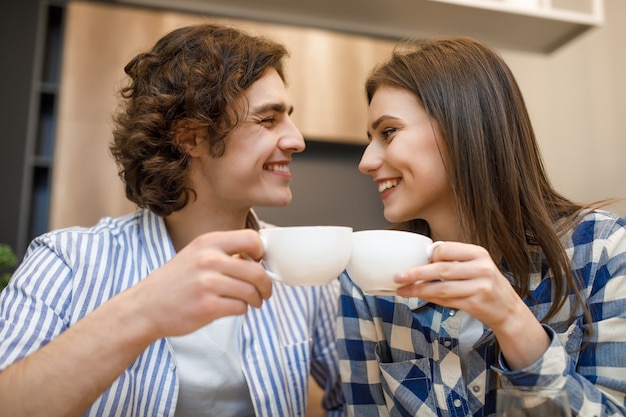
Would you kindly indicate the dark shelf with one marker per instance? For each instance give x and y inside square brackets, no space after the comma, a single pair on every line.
[31,46]
[42,162]
[51,70]
[49,88]
[39,158]
[46,125]
[40,202]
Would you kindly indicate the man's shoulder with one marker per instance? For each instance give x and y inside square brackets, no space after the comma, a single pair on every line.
[107,231]
[105,226]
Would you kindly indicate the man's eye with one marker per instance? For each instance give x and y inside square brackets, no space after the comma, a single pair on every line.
[268,121]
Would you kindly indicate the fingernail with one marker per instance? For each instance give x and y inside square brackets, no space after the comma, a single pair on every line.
[400,277]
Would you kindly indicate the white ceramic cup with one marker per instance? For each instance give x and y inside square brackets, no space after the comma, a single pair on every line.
[378,255]
[306,255]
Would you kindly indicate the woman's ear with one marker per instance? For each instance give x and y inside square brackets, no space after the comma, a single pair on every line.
[188,136]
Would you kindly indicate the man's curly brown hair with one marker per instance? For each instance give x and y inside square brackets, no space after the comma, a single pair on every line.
[195,74]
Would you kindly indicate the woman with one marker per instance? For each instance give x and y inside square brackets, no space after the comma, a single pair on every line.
[160,312]
[528,288]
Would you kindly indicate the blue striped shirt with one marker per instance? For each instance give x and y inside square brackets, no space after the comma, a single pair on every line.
[400,357]
[66,274]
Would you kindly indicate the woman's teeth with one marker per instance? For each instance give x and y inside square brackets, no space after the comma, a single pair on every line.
[277,167]
[385,185]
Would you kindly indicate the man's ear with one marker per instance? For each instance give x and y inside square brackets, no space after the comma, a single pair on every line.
[188,135]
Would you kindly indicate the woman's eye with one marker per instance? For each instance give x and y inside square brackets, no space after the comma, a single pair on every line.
[386,133]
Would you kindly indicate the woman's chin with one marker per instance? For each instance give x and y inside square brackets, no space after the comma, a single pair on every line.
[392,217]
[277,202]
[395,217]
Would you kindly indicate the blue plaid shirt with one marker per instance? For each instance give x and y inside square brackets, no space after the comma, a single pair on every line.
[400,357]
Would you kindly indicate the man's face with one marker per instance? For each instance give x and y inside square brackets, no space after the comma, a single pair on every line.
[254,169]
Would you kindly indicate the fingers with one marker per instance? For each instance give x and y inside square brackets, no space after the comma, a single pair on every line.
[221,264]
[206,280]
[224,287]
[457,251]
[235,271]
[245,241]
[439,291]
[248,273]
[464,277]
[198,287]
[451,261]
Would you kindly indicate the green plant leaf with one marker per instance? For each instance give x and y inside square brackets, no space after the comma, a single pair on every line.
[7,261]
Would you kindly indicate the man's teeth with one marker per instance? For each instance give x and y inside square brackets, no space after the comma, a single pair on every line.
[385,185]
[277,167]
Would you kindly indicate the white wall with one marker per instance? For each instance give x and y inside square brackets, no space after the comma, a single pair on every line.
[577,100]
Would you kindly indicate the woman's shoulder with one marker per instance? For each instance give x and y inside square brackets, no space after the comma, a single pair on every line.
[597,228]
[598,223]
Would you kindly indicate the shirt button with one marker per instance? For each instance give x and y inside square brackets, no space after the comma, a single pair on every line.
[452,313]
[476,388]
[447,343]
[457,403]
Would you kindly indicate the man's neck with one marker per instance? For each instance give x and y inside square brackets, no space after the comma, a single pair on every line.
[185,225]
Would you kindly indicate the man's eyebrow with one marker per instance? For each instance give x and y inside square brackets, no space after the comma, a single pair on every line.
[276,107]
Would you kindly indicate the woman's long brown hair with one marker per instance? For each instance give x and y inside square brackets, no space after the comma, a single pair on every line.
[504,199]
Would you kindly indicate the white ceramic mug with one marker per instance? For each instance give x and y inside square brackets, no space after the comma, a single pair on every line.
[378,255]
[306,255]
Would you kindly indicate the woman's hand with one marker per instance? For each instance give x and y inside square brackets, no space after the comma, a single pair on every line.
[463,276]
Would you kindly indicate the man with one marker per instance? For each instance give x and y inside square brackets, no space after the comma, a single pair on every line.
[162,312]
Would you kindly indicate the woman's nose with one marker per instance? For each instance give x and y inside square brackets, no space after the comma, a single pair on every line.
[371,159]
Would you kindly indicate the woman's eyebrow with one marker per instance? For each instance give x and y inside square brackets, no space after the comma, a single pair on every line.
[382,118]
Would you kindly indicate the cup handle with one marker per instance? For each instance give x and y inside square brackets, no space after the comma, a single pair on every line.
[264,242]
[431,248]
[271,273]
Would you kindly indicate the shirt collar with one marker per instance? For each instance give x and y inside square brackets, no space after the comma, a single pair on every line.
[157,246]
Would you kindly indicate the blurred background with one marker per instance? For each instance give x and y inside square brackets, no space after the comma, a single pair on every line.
[62,65]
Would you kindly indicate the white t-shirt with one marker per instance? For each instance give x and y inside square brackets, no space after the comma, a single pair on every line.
[209,367]
[471,331]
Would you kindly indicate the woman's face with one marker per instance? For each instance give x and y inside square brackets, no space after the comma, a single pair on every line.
[405,157]
[254,169]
